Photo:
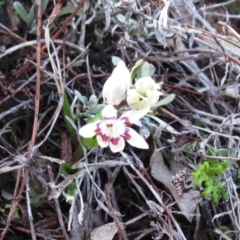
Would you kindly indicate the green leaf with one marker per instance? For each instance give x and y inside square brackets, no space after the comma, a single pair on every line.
[97,109]
[34,200]
[194,174]
[80,97]
[136,67]
[146,70]
[215,199]
[211,151]
[208,184]
[72,130]
[31,14]
[70,10]
[90,142]
[225,164]
[206,164]
[67,113]
[222,152]
[72,189]
[224,195]
[206,192]
[32,193]
[234,8]
[97,117]
[218,169]
[67,169]
[164,101]
[17,214]
[198,182]
[21,12]
[201,167]
[45,3]
[77,154]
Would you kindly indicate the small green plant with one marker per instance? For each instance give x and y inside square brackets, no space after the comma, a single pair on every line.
[36,197]
[67,170]
[234,8]
[227,231]
[30,17]
[17,214]
[208,176]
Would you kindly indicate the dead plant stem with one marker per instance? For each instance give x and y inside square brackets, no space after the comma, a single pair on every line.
[156,195]
[34,131]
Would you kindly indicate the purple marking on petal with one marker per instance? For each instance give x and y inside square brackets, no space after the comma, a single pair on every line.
[126,130]
[98,130]
[104,137]
[114,141]
[126,134]
[109,118]
[126,121]
[124,118]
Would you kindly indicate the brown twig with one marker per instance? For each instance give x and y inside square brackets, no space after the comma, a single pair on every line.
[215,36]
[56,35]
[15,204]
[38,81]
[121,233]
[42,235]
[66,23]
[35,127]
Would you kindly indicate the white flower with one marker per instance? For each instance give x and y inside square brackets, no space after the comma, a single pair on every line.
[145,94]
[117,85]
[114,132]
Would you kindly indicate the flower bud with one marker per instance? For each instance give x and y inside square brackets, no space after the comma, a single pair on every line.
[145,94]
[117,85]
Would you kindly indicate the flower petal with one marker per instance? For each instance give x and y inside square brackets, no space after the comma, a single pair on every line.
[122,71]
[145,83]
[109,112]
[88,130]
[133,116]
[102,143]
[136,140]
[117,147]
[117,85]
[153,98]
[133,97]
[112,93]
[145,94]
[135,100]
